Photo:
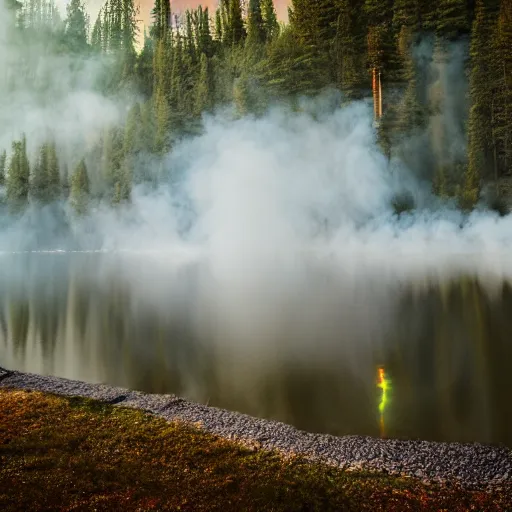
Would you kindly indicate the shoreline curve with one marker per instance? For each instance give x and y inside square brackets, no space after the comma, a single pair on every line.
[472,465]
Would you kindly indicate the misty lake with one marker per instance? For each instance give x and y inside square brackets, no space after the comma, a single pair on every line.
[310,347]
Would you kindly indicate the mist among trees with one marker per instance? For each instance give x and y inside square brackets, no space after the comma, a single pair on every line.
[445,68]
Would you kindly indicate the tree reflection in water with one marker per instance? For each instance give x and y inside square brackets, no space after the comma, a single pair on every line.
[306,353]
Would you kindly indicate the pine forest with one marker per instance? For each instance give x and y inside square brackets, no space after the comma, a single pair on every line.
[437,73]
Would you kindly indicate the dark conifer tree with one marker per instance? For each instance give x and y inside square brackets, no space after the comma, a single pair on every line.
[76,27]
[79,194]
[481,153]
[3,164]
[18,178]
[256,34]
[271,25]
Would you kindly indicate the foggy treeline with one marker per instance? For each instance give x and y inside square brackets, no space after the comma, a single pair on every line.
[445,66]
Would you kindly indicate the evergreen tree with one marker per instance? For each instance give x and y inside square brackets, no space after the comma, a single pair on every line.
[219,33]
[453,24]
[97,42]
[314,26]
[190,46]
[411,113]
[45,181]
[132,136]
[178,76]
[428,15]
[205,87]
[76,26]
[65,183]
[162,124]
[255,25]
[270,23]
[39,179]
[123,185]
[290,69]
[18,176]
[112,159]
[133,147]
[53,176]
[204,36]
[129,37]
[163,60]
[106,27]
[502,101]
[144,69]
[481,161]
[314,22]
[406,13]
[236,23]
[13,5]
[453,18]
[243,96]
[148,126]
[381,44]
[161,15]
[3,164]
[225,25]
[350,49]
[79,195]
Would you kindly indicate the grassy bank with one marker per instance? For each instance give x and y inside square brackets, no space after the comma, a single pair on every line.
[75,454]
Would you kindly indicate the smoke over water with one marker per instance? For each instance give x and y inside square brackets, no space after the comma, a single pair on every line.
[249,196]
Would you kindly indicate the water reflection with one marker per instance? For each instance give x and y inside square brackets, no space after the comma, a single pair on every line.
[304,347]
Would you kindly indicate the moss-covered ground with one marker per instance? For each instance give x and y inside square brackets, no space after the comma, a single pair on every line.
[65,454]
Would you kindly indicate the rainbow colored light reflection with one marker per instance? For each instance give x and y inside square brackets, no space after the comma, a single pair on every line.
[385,385]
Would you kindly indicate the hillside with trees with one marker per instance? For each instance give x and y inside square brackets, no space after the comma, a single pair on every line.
[444,66]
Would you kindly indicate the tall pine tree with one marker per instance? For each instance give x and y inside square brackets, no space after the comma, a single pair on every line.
[18,176]
[79,195]
[76,27]
[481,155]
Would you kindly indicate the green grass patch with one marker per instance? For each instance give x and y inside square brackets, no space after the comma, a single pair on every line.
[64,454]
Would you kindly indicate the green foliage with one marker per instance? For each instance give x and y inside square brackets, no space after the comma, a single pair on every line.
[240,56]
[117,175]
[144,71]
[235,21]
[97,39]
[204,37]
[18,176]
[45,181]
[96,456]
[65,183]
[351,50]
[483,69]
[162,124]
[502,104]
[205,92]
[271,25]
[76,27]
[161,15]
[3,164]
[79,197]
[291,70]
[256,33]
[453,18]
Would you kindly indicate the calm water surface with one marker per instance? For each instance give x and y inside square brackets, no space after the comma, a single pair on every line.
[303,347]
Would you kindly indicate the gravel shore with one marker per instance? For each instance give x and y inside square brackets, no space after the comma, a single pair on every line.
[468,465]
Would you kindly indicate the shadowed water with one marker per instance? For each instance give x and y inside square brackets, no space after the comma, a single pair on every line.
[302,346]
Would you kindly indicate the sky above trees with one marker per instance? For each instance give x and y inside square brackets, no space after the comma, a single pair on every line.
[179,5]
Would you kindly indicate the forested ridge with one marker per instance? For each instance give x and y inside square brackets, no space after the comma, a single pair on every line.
[445,68]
